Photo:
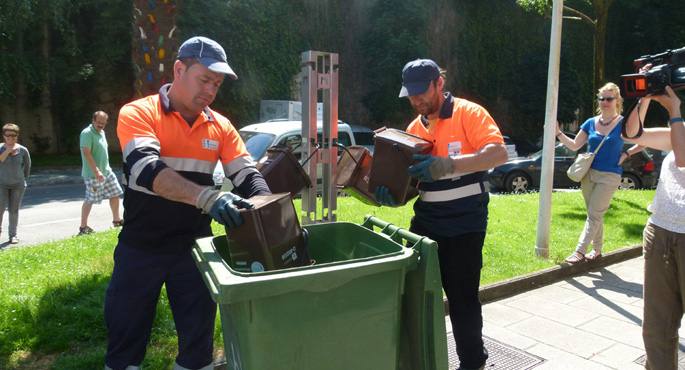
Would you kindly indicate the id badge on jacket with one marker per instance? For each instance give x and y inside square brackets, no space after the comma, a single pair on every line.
[454,148]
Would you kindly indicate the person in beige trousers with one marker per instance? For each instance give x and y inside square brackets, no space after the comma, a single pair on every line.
[604,177]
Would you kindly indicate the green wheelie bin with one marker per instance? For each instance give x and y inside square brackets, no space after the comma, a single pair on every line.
[367,303]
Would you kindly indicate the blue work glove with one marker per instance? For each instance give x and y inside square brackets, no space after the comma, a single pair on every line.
[430,168]
[222,206]
[384,197]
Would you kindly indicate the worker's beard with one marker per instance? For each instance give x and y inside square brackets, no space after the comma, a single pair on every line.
[427,108]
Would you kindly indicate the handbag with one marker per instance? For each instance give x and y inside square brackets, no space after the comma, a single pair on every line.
[581,165]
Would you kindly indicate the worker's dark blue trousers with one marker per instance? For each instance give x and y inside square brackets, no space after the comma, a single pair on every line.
[461,259]
[132,297]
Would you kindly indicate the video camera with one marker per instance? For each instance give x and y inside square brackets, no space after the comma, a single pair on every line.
[668,69]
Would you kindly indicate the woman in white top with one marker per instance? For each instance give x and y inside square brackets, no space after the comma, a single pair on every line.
[664,236]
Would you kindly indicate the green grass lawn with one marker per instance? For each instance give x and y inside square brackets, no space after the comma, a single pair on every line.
[52,294]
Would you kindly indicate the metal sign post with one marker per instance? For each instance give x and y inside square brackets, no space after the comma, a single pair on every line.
[547,174]
[320,74]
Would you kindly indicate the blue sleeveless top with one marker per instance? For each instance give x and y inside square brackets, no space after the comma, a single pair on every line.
[609,154]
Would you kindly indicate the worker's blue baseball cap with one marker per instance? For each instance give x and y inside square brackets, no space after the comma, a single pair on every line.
[417,76]
[209,53]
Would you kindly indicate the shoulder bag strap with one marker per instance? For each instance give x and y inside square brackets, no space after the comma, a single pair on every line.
[600,144]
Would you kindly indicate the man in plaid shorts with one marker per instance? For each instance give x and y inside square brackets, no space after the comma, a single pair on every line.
[101,182]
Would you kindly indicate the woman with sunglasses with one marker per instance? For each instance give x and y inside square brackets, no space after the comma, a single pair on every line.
[15,166]
[604,177]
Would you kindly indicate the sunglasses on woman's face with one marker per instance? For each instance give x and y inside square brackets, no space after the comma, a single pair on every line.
[607,98]
[10,135]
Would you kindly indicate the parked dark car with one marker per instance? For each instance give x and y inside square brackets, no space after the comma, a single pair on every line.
[658,157]
[524,147]
[523,174]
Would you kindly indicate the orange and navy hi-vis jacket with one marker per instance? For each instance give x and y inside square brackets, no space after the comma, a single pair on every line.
[153,137]
[462,127]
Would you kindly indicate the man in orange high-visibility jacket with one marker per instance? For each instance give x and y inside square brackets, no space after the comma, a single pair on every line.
[171,142]
[452,208]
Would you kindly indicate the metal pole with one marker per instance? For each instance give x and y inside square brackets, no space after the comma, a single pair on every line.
[320,72]
[330,133]
[547,174]
[309,131]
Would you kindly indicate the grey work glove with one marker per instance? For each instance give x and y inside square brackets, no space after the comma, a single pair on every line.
[430,168]
[222,206]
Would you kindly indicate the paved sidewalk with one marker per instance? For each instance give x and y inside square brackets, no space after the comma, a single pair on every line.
[592,321]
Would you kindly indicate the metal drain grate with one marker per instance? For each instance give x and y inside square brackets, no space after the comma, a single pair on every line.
[642,360]
[501,356]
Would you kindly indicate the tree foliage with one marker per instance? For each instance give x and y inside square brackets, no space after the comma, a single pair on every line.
[391,41]
[594,13]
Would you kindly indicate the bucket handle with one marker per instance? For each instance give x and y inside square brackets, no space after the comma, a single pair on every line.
[344,148]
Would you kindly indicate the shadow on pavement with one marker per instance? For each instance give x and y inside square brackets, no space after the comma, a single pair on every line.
[610,281]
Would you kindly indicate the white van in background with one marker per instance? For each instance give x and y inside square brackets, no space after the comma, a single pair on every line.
[259,137]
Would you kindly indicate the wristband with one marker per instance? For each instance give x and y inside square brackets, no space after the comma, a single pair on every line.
[675,120]
[627,154]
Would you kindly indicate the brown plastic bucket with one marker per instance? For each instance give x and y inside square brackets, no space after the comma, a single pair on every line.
[392,157]
[270,237]
[353,173]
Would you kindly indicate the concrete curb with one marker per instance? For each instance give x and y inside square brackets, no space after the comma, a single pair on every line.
[520,284]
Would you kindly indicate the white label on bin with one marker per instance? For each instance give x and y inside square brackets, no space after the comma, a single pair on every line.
[289,254]
[256,266]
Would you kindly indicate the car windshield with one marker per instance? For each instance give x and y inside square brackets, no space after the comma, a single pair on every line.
[363,138]
[257,142]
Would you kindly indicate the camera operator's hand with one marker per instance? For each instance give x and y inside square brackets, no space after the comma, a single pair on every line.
[222,206]
[668,100]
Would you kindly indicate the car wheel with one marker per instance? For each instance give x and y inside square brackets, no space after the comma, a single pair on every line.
[629,182]
[518,182]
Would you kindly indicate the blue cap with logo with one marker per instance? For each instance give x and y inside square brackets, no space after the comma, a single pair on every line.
[208,52]
[417,76]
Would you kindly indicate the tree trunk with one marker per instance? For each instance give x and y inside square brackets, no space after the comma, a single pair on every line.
[21,91]
[21,113]
[49,134]
[602,18]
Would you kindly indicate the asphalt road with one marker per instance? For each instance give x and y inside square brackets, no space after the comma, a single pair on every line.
[53,212]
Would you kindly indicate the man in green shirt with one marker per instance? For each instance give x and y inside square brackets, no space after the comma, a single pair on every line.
[101,182]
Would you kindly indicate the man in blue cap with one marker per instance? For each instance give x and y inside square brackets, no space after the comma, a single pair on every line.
[171,142]
[452,208]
